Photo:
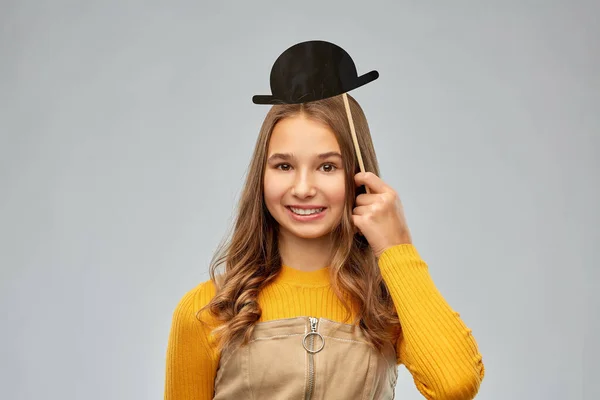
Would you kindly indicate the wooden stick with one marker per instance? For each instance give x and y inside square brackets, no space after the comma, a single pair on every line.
[356,146]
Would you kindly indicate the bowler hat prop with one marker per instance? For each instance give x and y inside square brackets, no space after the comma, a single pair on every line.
[310,71]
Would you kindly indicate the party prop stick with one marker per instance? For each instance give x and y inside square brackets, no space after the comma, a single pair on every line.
[356,146]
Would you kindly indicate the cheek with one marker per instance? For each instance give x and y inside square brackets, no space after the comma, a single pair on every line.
[273,190]
[336,192]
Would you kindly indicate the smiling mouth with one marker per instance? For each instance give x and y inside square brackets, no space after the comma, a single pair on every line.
[306,211]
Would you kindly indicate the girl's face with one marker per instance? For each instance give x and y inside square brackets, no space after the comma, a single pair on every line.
[304,170]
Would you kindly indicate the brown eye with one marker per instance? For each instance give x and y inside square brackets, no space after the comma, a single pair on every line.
[332,167]
[279,165]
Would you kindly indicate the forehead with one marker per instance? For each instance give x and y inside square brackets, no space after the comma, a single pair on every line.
[302,135]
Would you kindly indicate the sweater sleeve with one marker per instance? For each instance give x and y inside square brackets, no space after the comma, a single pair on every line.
[191,363]
[436,346]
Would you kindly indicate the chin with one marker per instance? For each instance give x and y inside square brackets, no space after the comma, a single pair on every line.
[307,233]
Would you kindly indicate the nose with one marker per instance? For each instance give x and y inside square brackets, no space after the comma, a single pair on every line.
[303,186]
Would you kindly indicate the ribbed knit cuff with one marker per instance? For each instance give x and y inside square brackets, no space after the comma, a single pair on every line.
[404,254]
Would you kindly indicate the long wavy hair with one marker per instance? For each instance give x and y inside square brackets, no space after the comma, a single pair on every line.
[251,257]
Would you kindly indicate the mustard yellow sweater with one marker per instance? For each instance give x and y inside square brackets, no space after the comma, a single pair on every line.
[436,346]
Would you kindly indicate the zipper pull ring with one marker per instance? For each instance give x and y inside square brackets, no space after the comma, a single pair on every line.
[313,331]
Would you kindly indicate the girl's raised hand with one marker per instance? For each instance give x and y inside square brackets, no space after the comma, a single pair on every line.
[379,215]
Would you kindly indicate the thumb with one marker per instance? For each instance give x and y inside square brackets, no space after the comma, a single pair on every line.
[356,230]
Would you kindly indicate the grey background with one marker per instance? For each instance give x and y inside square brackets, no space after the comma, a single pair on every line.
[125,132]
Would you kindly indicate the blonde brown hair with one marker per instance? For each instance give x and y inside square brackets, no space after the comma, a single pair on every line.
[251,257]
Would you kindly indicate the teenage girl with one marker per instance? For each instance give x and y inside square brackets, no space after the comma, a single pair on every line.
[323,293]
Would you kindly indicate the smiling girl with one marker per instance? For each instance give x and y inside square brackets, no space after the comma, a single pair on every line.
[323,293]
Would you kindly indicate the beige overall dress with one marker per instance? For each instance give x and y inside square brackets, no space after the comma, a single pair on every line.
[307,358]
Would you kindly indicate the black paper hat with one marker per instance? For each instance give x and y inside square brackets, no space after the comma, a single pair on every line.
[310,71]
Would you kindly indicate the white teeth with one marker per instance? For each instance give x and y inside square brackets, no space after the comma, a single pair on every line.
[306,212]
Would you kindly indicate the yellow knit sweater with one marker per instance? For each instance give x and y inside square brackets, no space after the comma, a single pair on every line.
[436,346]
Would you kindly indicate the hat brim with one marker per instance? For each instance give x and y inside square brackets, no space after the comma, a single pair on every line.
[360,81]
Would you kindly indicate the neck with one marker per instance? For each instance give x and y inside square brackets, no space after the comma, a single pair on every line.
[305,254]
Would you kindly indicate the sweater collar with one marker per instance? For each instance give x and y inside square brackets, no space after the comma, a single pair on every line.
[319,277]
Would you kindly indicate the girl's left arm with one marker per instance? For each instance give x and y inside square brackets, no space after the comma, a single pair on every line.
[436,346]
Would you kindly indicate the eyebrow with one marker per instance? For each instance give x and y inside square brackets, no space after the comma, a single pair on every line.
[290,156]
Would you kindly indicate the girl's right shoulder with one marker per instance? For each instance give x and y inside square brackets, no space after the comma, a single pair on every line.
[199,296]
[189,319]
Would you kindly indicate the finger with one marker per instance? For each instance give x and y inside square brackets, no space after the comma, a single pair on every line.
[361,210]
[372,181]
[356,222]
[366,199]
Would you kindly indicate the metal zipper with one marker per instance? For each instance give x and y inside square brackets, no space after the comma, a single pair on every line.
[311,352]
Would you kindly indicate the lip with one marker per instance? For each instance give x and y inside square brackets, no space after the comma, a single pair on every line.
[305,218]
